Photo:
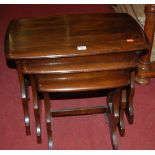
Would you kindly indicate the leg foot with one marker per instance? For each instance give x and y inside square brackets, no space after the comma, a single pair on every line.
[49,134]
[113,133]
[26,116]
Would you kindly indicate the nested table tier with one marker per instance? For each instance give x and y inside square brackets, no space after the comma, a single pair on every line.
[102,62]
[83,81]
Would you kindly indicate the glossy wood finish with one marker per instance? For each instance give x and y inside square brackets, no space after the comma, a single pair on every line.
[48,120]
[78,111]
[24,97]
[75,53]
[113,115]
[82,81]
[112,61]
[148,73]
[112,110]
[121,124]
[146,68]
[126,105]
[36,108]
[60,36]
[129,104]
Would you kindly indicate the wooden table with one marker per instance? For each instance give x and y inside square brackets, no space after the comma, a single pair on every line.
[73,44]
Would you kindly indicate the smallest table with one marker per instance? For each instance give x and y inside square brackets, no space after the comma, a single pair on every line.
[93,49]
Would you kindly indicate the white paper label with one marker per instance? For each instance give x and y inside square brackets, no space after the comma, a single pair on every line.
[81,48]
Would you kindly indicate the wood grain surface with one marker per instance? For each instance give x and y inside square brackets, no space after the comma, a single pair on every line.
[60,36]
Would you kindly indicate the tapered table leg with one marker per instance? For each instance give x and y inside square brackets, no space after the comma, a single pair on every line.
[36,108]
[113,113]
[25,99]
[121,124]
[48,120]
[130,93]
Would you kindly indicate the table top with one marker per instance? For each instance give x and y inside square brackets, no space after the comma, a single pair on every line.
[73,35]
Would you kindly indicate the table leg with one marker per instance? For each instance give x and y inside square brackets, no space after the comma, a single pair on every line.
[121,124]
[36,108]
[113,113]
[25,99]
[48,117]
[130,93]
